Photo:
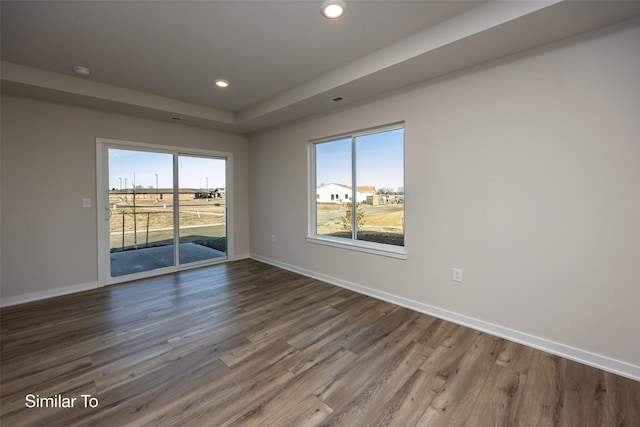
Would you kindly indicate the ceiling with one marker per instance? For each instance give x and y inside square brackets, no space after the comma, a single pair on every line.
[284,60]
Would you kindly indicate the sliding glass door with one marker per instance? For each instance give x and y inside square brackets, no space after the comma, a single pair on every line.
[164,209]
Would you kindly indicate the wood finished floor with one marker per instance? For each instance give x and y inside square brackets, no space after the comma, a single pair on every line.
[248,344]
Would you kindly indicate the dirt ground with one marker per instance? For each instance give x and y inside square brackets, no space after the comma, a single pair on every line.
[159,214]
[384,223]
[391,215]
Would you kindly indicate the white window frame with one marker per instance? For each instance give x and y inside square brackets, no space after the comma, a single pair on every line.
[382,249]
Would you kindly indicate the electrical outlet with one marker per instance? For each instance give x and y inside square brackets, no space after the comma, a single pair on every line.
[86,203]
[273,238]
[457,275]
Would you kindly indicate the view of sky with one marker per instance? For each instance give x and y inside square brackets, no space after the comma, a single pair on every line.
[379,160]
[127,167]
[379,163]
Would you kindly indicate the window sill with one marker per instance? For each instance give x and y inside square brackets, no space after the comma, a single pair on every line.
[361,246]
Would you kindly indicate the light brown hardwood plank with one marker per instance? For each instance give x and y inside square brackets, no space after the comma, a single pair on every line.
[497,402]
[621,401]
[381,388]
[543,393]
[454,402]
[411,401]
[297,393]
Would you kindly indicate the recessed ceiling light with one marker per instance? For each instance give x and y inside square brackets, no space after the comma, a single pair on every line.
[333,9]
[222,83]
[83,71]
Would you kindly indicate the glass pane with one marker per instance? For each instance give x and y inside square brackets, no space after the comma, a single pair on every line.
[380,187]
[141,203]
[202,212]
[333,188]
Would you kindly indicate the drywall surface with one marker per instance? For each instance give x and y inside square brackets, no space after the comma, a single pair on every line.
[524,172]
[49,241]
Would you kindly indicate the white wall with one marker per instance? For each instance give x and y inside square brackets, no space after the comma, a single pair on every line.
[325,192]
[525,173]
[49,242]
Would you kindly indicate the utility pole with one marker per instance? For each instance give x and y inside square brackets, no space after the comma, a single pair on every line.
[135,222]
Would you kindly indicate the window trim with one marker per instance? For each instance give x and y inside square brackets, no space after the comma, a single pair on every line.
[399,252]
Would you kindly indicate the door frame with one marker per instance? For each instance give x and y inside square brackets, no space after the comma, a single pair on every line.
[102,206]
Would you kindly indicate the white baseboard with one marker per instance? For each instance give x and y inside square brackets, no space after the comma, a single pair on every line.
[34,296]
[598,361]
[237,257]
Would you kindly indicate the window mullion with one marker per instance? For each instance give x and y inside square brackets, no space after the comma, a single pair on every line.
[176,210]
[354,191]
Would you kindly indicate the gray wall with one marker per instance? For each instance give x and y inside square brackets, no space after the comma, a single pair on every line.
[525,173]
[49,165]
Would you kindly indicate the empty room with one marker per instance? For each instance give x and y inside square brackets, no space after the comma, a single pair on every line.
[319,213]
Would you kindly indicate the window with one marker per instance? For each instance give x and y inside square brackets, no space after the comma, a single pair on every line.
[368,168]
